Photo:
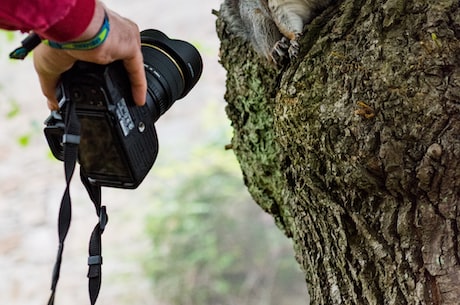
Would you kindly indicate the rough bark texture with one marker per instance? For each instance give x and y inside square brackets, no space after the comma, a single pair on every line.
[354,148]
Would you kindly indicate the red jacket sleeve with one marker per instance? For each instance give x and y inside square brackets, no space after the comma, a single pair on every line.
[58,20]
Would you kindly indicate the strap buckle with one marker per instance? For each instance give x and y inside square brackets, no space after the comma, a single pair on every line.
[95,260]
[70,139]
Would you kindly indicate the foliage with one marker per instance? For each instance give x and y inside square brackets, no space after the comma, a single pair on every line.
[12,107]
[9,35]
[213,245]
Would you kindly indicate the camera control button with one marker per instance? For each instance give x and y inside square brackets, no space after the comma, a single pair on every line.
[141,127]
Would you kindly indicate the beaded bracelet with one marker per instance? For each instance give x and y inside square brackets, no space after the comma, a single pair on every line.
[89,44]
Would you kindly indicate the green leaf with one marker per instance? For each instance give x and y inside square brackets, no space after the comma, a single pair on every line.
[14,111]
[24,140]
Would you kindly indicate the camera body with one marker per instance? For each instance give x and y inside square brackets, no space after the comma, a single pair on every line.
[118,142]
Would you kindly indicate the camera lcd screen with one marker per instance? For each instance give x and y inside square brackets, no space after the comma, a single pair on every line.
[99,154]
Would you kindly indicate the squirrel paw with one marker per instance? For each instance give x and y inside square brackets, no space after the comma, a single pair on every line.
[280,50]
[285,49]
[294,46]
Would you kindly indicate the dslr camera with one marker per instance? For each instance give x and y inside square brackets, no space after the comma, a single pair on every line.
[118,141]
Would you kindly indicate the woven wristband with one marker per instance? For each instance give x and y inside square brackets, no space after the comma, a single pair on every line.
[89,44]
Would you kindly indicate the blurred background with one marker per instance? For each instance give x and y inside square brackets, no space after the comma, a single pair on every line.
[189,235]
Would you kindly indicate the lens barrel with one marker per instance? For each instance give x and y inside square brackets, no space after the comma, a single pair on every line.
[172,68]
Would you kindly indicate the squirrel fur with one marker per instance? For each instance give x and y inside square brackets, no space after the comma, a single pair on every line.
[273,27]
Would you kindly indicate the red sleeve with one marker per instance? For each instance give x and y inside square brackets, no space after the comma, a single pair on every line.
[58,20]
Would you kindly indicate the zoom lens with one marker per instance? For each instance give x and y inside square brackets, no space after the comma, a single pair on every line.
[172,68]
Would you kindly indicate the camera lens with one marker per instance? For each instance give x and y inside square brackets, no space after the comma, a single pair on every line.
[172,68]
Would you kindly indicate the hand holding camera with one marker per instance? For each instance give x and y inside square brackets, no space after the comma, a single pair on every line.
[122,43]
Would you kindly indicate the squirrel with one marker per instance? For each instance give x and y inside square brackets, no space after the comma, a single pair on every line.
[273,27]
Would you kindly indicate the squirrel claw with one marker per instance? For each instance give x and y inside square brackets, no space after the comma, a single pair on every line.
[281,46]
[280,50]
[285,49]
[294,46]
[293,49]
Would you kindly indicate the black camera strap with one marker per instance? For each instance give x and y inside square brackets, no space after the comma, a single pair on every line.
[71,140]
[95,245]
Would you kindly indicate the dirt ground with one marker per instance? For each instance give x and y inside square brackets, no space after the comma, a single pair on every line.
[31,183]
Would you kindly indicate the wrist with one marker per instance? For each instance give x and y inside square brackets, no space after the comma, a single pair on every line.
[95,24]
[74,23]
[82,42]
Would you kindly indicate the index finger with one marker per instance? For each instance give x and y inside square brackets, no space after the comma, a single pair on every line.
[136,73]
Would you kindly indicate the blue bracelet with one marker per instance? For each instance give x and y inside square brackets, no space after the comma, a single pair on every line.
[89,44]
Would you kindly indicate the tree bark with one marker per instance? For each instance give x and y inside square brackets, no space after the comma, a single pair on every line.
[354,148]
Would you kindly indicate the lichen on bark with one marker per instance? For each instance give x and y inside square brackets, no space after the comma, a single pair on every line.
[354,148]
[252,115]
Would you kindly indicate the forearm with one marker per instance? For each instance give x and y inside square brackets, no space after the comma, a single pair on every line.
[87,28]
[74,22]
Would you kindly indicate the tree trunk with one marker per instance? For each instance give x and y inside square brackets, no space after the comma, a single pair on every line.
[354,148]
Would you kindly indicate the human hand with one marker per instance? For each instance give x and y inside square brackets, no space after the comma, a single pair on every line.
[122,43]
